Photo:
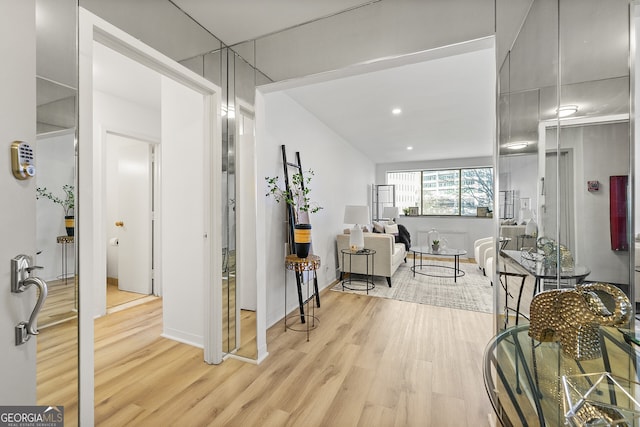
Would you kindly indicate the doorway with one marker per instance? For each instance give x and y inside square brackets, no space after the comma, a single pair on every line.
[129,219]
[187,223]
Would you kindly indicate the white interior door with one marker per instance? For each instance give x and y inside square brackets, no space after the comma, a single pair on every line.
[134,219]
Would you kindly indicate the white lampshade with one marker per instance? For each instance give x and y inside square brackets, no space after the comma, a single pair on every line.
[391,212]
[356,215]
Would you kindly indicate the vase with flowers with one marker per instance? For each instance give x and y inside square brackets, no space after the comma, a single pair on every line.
[67,202]
[298,199]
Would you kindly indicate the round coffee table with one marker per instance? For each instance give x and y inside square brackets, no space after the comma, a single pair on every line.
[449,252]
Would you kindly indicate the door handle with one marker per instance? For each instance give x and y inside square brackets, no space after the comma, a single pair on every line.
[31,325]
[119,224]
[21,280]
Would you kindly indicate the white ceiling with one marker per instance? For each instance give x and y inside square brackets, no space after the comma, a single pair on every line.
[447,110]
[446,96]
[234,21]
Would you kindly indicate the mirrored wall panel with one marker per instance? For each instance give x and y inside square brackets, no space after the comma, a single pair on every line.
[56,90]
[564,152]
[238,80]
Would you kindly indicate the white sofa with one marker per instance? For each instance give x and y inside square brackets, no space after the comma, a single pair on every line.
[387,258]
[482,250]
[477,247]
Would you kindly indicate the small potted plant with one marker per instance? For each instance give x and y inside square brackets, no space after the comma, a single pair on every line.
[298,198]
[435,245]
[67,203]
[406,211]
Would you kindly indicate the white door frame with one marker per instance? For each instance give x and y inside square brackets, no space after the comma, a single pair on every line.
[90,221]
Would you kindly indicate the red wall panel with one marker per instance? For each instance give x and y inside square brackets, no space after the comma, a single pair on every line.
[618,212]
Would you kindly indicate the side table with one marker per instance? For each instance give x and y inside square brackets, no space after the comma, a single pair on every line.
[368,277]
[64,241]
[304,269]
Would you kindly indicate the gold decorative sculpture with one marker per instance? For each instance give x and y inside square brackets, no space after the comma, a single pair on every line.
[573,316]
[592,414]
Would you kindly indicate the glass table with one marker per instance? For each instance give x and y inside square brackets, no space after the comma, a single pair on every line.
[529,382]
[423,268]
[535,267]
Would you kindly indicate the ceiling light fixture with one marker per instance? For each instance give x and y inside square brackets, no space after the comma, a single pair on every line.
[396,111]
[567,110]
[517,145]
[409,148]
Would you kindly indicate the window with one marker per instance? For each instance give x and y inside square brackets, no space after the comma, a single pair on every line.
[444,192]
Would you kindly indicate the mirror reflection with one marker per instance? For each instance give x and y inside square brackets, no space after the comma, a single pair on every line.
[56,198]
[57,358]
[564,136]
[238,79]
[635,83]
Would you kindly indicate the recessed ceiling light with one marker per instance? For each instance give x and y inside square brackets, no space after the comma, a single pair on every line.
[517,145]
[409,148]
[567,110]
[396,111]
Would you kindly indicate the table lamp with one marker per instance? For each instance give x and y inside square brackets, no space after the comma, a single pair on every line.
[390,212]
[357,215]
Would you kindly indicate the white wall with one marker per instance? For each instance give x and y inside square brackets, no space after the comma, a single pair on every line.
[599,151]
[123,116]
[55,163]
[460,232]
[342,176]
[183,207]
[605,149]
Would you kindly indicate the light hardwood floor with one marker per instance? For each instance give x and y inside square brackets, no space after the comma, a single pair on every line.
[371,362]
[116,297]
[60,304]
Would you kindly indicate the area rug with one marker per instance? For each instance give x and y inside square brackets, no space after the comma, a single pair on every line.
[472,292]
